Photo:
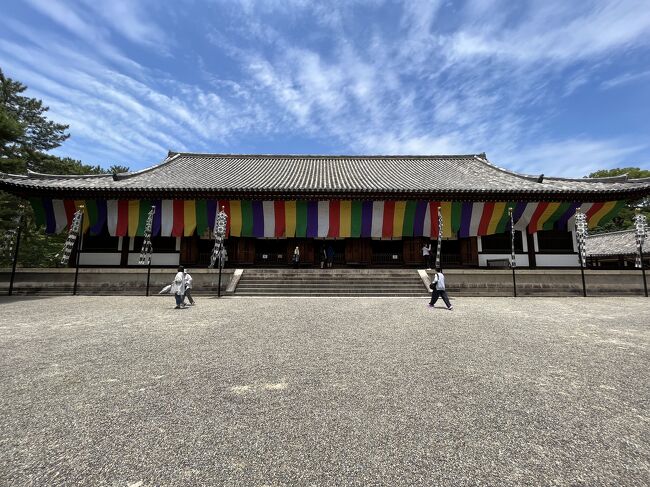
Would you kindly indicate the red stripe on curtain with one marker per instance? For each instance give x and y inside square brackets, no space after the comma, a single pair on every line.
[179,218]
[70,209]
[335,218]
[594,208]
[532,225]
[433,216]
[389,213]
[488,209]
[278,206]
[122,227]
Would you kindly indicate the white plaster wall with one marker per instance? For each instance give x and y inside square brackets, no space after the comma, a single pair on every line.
[522,259]
[170,258]
[99,258]
[557,260]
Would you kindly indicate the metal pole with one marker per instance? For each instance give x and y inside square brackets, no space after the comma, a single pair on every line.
[148,275]
[79,247]
[220,267]
[582,273]
[514,282]
[15,261]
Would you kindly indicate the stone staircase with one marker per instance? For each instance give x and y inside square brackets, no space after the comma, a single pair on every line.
[331,282]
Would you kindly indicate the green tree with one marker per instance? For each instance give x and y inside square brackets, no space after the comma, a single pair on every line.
[25,136]
[623,220]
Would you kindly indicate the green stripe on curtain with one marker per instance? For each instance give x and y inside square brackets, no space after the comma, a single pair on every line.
[39,211]
[91,208]
[301,218]
[505,217]
[201,217]
[356,218]
[561,210]
[456,215]
[409,218]
[612,213]
[246,218]
[145,207]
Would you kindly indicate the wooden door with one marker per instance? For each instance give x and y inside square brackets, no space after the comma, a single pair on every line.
[469,251]
[358,251]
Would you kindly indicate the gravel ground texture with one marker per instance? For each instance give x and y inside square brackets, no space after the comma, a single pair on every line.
[127,391]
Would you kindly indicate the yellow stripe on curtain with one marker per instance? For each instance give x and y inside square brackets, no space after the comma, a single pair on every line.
[134,217]
[345,218]
[398,218]
[546,214]
[445,209]
[235,218]
[596,217]
[497,213]
[289,218]
[189,217]
[77,205]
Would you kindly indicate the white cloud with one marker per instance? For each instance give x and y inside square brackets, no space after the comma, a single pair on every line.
[625,79]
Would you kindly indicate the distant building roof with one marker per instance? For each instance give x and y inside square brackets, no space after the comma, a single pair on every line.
[612,243]
[458,177]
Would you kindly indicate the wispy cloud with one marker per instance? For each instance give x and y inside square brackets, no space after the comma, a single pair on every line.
[625,79]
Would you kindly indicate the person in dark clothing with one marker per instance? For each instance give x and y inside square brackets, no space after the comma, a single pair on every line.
[323,256]
[330,255]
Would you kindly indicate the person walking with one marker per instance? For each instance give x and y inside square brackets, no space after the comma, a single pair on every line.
[296,257]
[188,288]
[438,290]
[178,287]
[426,253]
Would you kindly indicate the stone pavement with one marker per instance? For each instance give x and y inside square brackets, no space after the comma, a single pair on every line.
[501,391]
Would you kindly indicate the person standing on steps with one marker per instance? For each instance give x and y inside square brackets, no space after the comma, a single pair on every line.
[296,257]
[330,255]
[323,256]
[438,290]
[426,254]
[178,287]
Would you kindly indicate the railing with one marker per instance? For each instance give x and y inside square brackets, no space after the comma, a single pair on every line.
[386,258]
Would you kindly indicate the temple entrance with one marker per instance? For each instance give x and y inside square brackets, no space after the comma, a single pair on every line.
[387,252]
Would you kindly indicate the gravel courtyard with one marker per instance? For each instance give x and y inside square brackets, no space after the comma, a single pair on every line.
[267,392]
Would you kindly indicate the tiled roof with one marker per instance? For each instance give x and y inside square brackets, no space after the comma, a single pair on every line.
[612,243]
[450,176]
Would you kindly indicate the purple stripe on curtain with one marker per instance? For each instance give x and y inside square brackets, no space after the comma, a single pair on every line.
[366,218]
[157,218]
[258,219]
[516,213]
[418,220]
[561,223]
[96,229]
[465,219]
[211,208]
[312,218]
[50,219]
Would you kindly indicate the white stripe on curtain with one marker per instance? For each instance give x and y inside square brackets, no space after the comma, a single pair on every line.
[426,229]
[377,218]
[269,218]
[60,218]
[477,212]
[111,216]
[524,220]
[166,218]
[584,208]
[323,218]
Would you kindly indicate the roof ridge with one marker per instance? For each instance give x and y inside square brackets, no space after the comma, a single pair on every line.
[127,175]
[333,156]
[604,234]
[39,175]
[483,159]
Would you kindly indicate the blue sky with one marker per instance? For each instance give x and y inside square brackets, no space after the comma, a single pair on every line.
[541,86]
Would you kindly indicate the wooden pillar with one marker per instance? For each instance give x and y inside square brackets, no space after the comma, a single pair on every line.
[532,262]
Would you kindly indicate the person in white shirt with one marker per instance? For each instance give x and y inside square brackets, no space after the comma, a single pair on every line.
[178,287]
[426,253]
[188,288]
[296,257]
[438,290]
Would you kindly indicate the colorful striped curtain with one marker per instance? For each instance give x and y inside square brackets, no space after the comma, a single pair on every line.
[322,219]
